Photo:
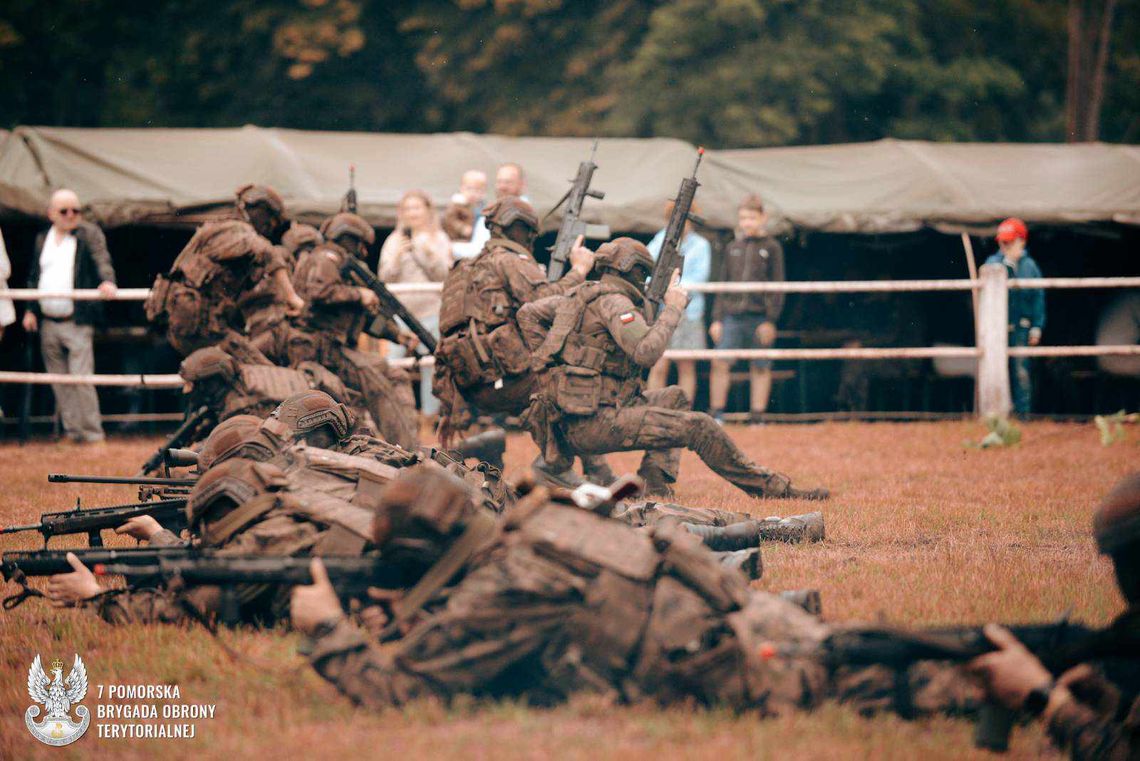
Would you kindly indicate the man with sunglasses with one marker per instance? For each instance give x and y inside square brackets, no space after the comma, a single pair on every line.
[71,255]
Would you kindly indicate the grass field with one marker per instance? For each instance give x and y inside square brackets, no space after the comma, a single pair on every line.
[920,530]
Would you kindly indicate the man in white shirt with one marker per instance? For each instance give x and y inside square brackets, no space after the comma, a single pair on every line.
[510,180]
[7,308]
[71,255]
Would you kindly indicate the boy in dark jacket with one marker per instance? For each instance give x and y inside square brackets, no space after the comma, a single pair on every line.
[1026,306]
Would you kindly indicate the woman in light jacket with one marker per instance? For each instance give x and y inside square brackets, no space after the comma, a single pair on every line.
[417,251]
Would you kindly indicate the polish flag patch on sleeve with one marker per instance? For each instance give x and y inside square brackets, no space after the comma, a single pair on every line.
[626,318]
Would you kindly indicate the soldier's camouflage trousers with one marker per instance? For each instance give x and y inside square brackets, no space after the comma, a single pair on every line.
[660,422]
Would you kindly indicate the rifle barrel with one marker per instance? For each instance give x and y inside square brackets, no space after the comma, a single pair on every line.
[67,478]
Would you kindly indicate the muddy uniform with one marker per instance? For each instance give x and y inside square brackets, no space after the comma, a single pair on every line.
[197,300]
[481,359]
[333,320]
[559,599]
[269,521]
[597,344]
[266,315]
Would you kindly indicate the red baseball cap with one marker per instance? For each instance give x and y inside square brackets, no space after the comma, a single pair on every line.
[1012,229]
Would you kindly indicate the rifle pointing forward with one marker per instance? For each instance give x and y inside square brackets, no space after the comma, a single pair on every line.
[670,257]
[171,513]
[186,433]
[1059,646]
[357,272]
[572,224]
[66,478]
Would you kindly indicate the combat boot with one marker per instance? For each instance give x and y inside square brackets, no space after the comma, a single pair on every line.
[487,447]
[807,527]
[749,562]
[565,478]
[657,485]
[732,538]
[597,470]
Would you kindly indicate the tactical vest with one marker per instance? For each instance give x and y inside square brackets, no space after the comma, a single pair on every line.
[589,368]
[345,320]
[480,340]
[264,386]
[197,295]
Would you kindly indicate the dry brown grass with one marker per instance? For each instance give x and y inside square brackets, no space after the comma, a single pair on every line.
[920,531]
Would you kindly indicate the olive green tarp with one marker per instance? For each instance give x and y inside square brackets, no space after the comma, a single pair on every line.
[172,176]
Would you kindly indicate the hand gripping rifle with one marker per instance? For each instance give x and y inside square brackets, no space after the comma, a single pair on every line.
[572,224]
[670,257]
[357,272]
[196,421]
[1059,646]
[171,513]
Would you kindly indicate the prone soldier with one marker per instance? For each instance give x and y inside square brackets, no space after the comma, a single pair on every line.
[199,299]
[336,314]
[593,347]
[216,380]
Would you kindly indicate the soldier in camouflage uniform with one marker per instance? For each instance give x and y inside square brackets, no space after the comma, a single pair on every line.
[266,318]
[481,360]
[558,599]
[593,346]
[336,314]
[238,507]
[198,299]
[227,387]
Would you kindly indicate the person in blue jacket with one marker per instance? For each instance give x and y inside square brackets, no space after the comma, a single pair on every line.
[1026,306]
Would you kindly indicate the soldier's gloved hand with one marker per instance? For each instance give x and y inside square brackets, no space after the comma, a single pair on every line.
[1011,672]
[294,305]
[408,340]
[675,294]
[67,589]
[368,299]
[141,527]
[581,258]
[314,604]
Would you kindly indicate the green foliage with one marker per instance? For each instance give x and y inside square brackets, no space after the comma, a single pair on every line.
[724,73]
[1002,433]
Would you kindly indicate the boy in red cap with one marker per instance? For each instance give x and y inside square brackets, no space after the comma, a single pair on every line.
[1026,306]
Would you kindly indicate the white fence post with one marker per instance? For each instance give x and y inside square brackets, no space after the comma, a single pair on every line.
[993,342]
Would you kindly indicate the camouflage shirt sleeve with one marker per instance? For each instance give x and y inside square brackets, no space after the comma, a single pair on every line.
[527,281]
[1088,735]
[534,320]
[323,283]
[643,343]
[166,538]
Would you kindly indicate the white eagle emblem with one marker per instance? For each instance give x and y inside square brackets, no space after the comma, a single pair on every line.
[57,695]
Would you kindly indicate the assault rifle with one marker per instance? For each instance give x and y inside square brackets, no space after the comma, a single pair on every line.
[197,420]
[1059,646]
[67,478]
[357,272]
[572,224]
[349,202]
[670,257]
[171,513]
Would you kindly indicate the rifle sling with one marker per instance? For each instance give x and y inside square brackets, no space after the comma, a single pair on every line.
[482,527]
[241,516]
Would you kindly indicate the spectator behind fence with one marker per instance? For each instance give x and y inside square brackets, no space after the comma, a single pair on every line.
[510,180]
[72,254]
[1026,307]
[747,320]
[466,206]
[417,251]
[690,333]
[7,308]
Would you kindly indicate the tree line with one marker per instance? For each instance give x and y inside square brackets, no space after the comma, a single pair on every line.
[724,73]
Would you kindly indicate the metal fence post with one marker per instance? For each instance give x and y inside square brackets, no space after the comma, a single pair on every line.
[993,342]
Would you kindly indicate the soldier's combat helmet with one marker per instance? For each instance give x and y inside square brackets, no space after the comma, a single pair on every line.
[627,258]
[226,438]
[508,210]
[424,503]
[230,484]
[305,412]
[300,236]
[260,195]
[210,362]
[348,225]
